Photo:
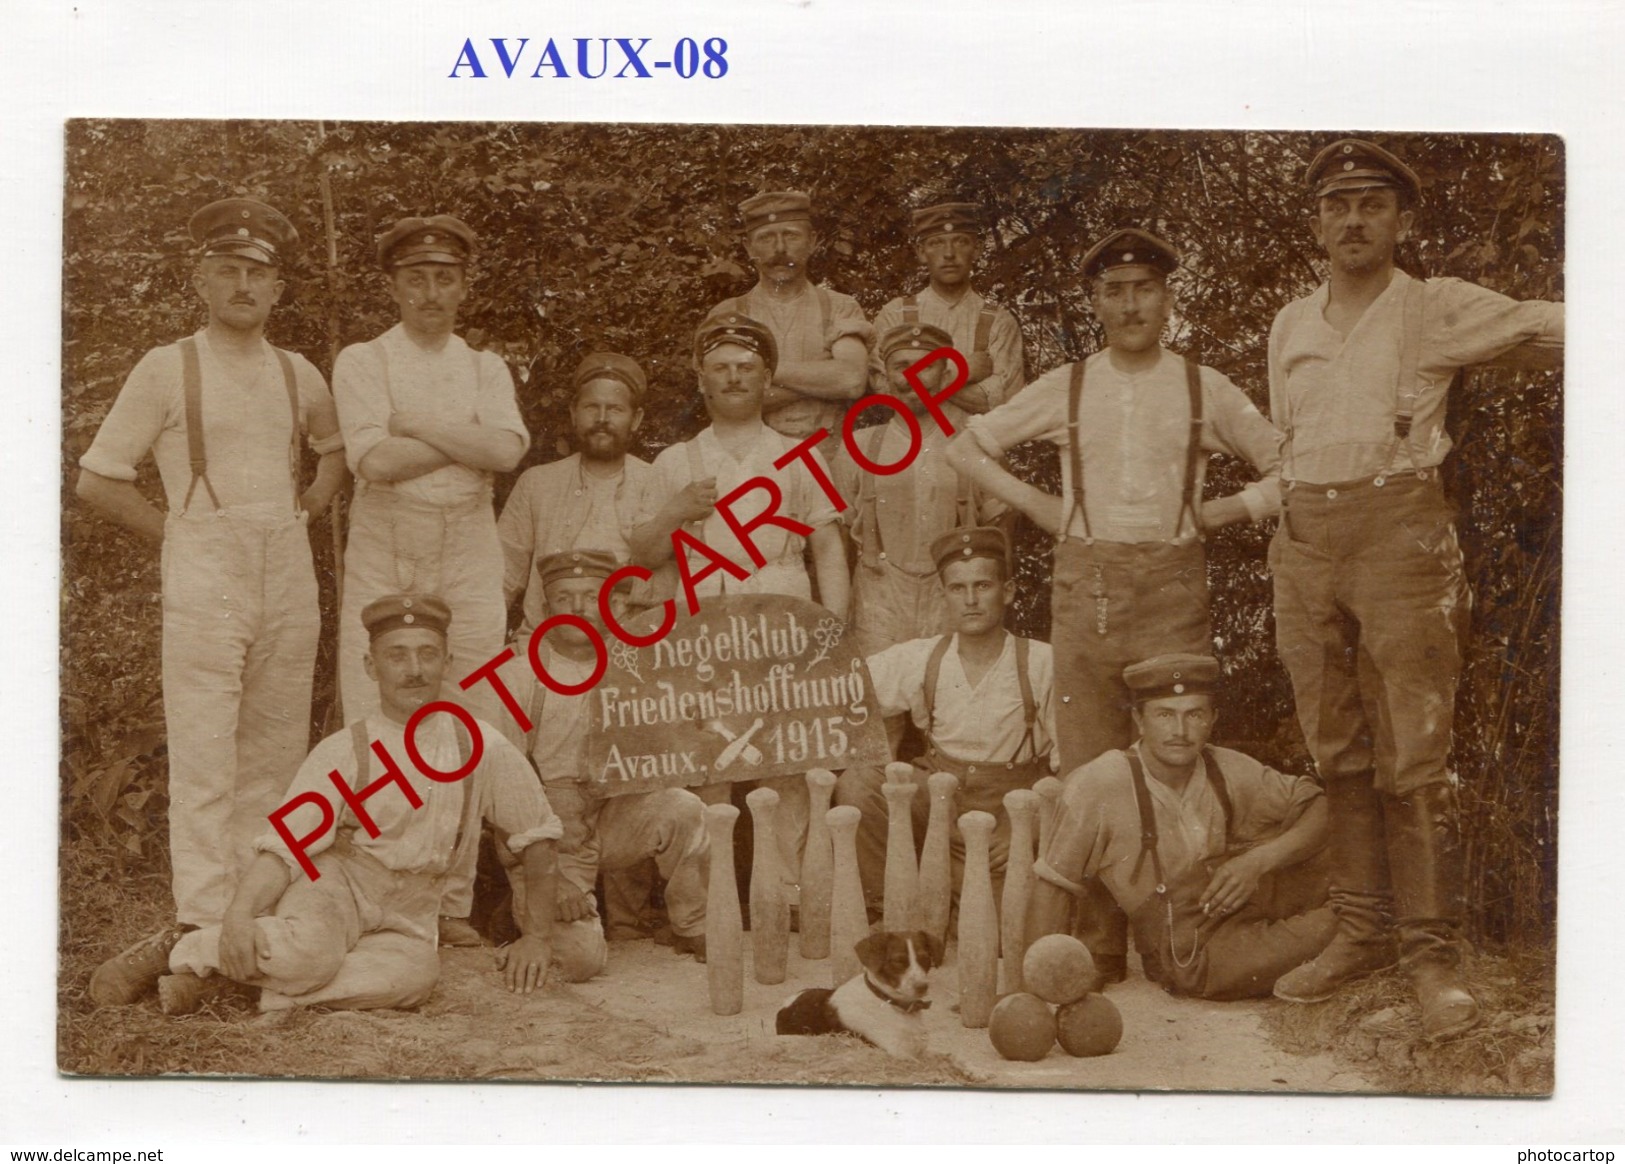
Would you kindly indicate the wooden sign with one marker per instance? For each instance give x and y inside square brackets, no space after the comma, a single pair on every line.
[752,686]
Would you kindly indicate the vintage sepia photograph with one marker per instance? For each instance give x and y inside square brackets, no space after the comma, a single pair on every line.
[1062,609]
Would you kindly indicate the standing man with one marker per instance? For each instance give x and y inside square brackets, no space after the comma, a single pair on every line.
[1217,858]
[427,421]
[735,358]
[612,834]
[948,241]
[222,413]
[982,697]
[1371,603]
[896,519]
[591,499]
[348,920]
[821,335]
[1135,424]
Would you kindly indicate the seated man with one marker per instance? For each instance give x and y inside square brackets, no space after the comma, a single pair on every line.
[1218,860]
[601,834]
[981,696]
[348,919]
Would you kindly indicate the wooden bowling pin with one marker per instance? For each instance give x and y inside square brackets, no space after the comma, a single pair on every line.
[1022,807]
[902,871]
[769,912]
[849,921]
[933,897]
[817,867]
[899,772]
[978,923]
[1049,803]
[724,928]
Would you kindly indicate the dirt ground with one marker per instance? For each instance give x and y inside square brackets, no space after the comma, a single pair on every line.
[648,1019]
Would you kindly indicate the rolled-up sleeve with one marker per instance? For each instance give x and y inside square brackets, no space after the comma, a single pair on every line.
[846,319]
[361,392]
[498,404]
[512,798]
[140,412]
[1234,425]
[1036,412]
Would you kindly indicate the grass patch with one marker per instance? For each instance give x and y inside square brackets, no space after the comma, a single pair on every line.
[1373,1026]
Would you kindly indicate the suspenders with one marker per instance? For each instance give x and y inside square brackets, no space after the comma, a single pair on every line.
[465,748]
[192,390]
[1148,817]
[1193,447]
[984,321]
[871,551]
[1029,705]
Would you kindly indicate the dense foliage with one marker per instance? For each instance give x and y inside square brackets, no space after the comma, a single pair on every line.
[622,236]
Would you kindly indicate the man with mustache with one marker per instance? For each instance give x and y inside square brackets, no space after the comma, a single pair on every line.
[1218,859]
[428,421]
[947,241]
[734,358]
[356,928]
[591,499]
[222,413]
[821,335]
[1371,602]
[1135,424]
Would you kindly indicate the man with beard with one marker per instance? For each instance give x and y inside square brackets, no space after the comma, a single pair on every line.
[592,498]
[1135,424]
[1371,602]
[428,421]
[821,335]
[222,413]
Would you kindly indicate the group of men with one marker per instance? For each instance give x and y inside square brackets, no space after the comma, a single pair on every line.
[1218,864]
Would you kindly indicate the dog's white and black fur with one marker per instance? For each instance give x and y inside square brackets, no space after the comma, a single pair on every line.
[882,1005]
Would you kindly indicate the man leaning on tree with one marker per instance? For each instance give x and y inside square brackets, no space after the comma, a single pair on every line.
[1371,601]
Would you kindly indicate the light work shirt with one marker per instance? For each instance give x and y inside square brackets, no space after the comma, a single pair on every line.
[246,429]
[1336,396]
[456,384]
[1134,429]
[985,721]
[960,320]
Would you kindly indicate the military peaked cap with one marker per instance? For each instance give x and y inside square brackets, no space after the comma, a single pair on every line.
[1353,164]
[412,242]
[1130,247]
[245,228]
[1168,675]
[395,611]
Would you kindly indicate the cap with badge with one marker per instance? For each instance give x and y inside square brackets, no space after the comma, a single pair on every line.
[1130,247]
[550,568]
[244,228]
[1353,164]
[918,337]
[612,366]
[398,611]
[947,218]
[437,239]
[1168,675]
[741,330]
[775,206]
[961,545]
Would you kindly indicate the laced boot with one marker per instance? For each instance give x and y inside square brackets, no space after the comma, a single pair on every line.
[129,974]
[1360,896]
[1425,856]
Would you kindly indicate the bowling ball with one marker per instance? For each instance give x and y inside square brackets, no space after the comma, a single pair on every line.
[1022,1027]
[1059,969]
[1090,1026]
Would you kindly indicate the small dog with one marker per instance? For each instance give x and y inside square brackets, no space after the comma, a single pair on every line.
[882,1005]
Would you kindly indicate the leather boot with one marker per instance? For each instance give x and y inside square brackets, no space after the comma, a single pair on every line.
[1360,895]
[1424,854]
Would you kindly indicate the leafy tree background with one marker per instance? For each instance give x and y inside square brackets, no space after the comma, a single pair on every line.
[622,236]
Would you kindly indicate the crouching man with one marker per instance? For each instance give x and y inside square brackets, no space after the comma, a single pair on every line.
[1218,860]
[361,932]
[600,834]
